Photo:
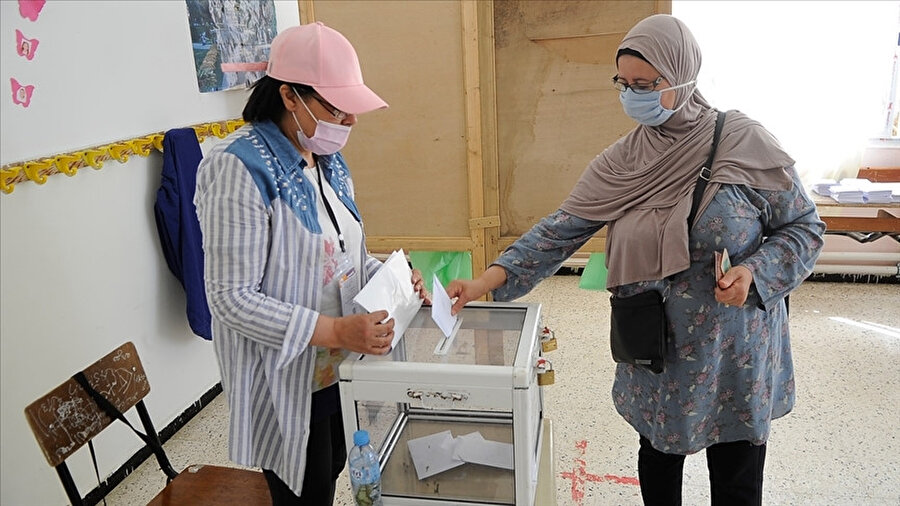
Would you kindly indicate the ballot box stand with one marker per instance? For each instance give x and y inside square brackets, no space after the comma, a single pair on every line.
[481,379]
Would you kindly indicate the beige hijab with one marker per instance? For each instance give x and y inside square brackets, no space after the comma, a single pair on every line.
[642,184]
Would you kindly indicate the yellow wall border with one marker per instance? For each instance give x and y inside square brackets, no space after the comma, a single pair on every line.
[68,163]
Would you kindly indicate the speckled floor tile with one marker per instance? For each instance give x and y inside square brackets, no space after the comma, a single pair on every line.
[840,445]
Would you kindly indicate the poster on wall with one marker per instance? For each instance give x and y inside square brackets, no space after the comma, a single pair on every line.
[230,40]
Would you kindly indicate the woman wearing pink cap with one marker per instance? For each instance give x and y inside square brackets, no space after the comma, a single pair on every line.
[284,246]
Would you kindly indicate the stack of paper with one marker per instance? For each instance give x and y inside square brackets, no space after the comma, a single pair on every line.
[881,193]
[861,191]
[823,186]
[847,193]
[894,188]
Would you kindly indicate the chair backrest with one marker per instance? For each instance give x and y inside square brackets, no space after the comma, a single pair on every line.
[880,175]
[67,418]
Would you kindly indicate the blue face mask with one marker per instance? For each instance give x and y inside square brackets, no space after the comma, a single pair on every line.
[646,108]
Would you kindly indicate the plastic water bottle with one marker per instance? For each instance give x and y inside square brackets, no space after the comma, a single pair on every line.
[365,474]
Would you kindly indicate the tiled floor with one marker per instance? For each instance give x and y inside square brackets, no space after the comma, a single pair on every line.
[840,445]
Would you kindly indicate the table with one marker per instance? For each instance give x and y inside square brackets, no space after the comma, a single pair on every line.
[863,222]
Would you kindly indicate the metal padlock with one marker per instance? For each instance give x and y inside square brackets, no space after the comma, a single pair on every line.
[548,340]
[546,375]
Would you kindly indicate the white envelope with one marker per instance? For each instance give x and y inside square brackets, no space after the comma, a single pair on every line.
[433,454]
[391,289]
[475,449]
[440,308]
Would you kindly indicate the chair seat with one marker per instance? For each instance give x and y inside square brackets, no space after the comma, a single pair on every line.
[215,485]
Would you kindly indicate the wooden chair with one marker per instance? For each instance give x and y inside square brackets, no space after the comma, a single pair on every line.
[69,416]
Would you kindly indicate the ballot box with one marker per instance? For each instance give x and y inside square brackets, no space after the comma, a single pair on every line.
[455,420]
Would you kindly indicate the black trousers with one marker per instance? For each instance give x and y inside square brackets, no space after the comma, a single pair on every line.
[326,454]
[735,474]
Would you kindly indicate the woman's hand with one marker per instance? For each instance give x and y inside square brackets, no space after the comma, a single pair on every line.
[419,286]
[733,287]
[364,333]
[465,291]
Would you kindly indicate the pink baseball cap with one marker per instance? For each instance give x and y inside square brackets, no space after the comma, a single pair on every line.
[321,57]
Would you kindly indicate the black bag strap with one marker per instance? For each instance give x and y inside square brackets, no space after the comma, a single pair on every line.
[109,408]
[705,171]
[113,412]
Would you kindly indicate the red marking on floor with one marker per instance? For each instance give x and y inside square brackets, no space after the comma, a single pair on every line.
[579,476]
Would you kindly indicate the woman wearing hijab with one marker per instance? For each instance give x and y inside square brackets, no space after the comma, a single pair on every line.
[727,369]
[284,252]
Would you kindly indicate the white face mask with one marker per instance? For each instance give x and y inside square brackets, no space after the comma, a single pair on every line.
[328,138]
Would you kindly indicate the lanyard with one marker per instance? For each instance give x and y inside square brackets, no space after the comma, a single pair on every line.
[330,210]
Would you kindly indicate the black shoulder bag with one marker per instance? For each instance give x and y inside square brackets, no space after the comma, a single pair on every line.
[638,325]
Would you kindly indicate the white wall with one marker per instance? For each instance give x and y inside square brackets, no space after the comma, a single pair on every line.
[81,269]
[816,74]
[81,273]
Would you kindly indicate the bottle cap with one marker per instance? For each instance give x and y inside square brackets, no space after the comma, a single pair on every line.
[361,437]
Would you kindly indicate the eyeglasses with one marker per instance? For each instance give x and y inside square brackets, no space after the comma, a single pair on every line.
[334,111]
[639,88]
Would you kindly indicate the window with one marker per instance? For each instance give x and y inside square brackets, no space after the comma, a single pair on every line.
[820,76]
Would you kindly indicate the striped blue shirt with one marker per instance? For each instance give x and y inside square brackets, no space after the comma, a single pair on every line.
[263,247]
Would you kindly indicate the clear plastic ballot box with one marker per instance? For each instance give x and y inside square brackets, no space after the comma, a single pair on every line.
[482,379]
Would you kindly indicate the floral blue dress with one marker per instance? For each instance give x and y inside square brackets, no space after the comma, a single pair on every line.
[728,370]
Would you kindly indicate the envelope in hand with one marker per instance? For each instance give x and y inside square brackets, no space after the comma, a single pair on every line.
[391,289]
